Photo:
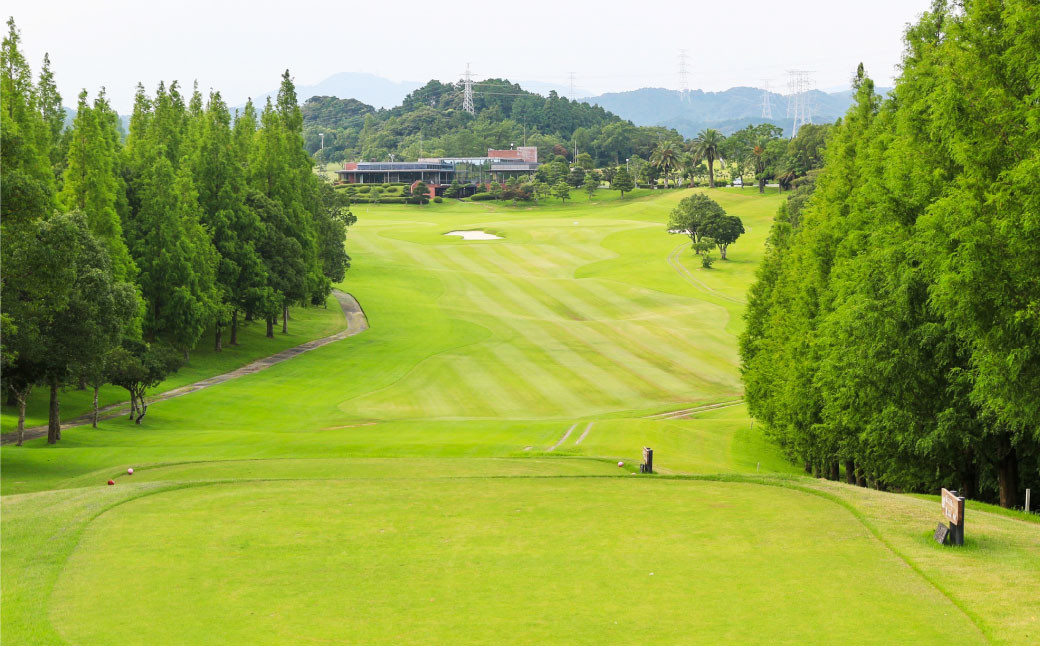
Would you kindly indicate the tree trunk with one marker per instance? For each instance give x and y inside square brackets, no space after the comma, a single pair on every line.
[711,173]
[1007,478]
[270,327]
[762,185]
[850,472]
[94,424]
[234,327]
[187,357]
[285,318]
[217,347]
[54,418]
[835,471]
[722,250]
[21,415]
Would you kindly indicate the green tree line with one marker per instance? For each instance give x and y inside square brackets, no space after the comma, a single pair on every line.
[430,122]
[119,255]
[893,331]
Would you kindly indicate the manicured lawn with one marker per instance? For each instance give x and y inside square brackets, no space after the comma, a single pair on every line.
[450,474]
[305,324]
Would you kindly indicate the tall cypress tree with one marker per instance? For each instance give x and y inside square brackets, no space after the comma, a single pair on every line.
[235,229]
[93,180]
[27,184]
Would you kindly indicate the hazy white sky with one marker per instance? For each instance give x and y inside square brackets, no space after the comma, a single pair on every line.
[241,48]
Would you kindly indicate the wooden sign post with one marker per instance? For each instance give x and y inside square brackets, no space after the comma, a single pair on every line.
[648,460]
[953,509]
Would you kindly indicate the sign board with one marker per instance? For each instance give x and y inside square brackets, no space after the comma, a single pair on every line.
[952,507]
[941,532]
[648,460]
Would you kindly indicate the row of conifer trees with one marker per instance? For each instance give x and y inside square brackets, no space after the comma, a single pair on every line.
[893,332]
[120,252]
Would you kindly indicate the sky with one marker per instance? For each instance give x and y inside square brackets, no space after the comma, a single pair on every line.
[241,48]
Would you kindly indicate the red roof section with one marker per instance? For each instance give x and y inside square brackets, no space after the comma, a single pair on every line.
[504,154]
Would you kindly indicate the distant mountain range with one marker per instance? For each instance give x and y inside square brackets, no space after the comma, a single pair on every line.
[727,111]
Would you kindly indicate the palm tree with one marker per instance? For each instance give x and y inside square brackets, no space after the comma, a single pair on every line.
[707,145]
[756,156]
[666,158]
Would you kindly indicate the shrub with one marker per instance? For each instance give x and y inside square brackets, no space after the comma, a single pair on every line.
[365,189]
[481,197]
[438,199]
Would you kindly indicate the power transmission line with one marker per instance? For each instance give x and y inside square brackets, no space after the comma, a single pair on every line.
[684,80]
[767,108]
[467,92]
[800,84]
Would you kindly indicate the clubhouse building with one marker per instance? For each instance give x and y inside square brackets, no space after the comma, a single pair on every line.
[439,172]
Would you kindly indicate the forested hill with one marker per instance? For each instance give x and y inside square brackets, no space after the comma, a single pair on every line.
[431,122]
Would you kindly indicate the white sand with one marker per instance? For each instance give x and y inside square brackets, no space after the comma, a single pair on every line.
[474,235]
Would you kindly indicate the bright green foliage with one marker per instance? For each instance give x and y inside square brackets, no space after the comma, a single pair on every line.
[93,182]
[893,326]
[575,177]
[138,366]
[27,184]
[666,158]
[692,215]
[591,184]
[420,193]
[60,290]
[53,113]
[707,146]
[722,229]
[562,190]
[177,260]
[622,181]
[233,227]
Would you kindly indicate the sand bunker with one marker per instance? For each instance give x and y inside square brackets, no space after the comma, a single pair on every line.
[474,235]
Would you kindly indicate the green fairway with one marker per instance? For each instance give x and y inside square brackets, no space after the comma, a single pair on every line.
[450,474]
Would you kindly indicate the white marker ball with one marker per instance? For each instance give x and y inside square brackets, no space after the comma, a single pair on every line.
[621,464]
[130,471]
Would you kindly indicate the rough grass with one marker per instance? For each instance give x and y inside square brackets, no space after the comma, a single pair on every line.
[409,484]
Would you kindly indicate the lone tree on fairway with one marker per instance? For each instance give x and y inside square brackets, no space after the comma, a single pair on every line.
[690,216]
[723,230]
[138,366]
[591,184]
[707,146]
[622,181]
[562,190]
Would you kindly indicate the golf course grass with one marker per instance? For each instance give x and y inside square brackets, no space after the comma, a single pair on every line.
[451,474]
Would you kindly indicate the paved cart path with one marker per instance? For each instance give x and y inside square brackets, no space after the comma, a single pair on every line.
[356,323]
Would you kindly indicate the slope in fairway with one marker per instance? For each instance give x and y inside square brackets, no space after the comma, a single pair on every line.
[448,474]
[553,560]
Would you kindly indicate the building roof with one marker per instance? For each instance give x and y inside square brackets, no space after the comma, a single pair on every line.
[523,153]
[382,167]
